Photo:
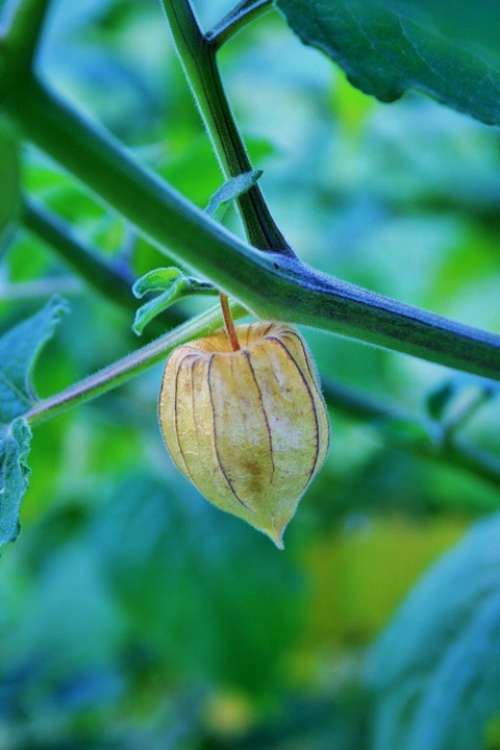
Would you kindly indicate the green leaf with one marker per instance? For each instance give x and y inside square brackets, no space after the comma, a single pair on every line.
[10,181]
[15,440]
[19,350]
[232,189]
[173,284]
[445,49]
[435,668]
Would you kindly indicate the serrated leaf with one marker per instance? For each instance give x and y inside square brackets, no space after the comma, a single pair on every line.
[435,668]
[10,181]
[232,189]
[446,49]
[15,440]
[19,350]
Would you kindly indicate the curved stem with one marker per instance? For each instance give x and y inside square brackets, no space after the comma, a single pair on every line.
[272,286]
[133,364]
[229,323]
[197,57]
[236,19]
[346,400]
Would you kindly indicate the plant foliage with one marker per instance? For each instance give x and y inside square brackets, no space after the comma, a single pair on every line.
[445,49]
[435,668]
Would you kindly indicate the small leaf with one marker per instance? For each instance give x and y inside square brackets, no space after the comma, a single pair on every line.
[157,280]
[173,285]
[10,181]
[15,440]
[232,189]
[19,350]
[439,399]
[157,305]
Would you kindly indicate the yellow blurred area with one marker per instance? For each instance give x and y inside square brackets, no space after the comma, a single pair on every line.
[358,576]
[228,713]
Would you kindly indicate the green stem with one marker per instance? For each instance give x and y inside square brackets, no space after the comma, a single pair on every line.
[345,400]
[110,280]
[24,30]
[133,364]
[197,56]
[457,421]
[272,286]
[236,19]
[40,288]
[439,447]
[107,278]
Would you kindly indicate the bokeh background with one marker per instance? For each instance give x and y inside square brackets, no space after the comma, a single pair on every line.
[132,613]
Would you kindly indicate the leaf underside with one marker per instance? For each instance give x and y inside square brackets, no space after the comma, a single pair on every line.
[445,49]
[19,350]
[435,669]
[15,440]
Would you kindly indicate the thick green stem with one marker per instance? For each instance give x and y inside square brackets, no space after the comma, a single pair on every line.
[272,286]
[128,367]
[24,30]
[197,56]
[236,19]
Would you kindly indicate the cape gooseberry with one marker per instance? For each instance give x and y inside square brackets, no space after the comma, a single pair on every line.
[249,428]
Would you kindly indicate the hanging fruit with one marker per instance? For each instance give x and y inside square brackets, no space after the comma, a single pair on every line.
[243,418]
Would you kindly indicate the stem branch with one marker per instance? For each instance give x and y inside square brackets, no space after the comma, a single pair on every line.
[24,30]
[455,452]
[245,12]
[119,372]
[272,286]
[197,57]
[229,323]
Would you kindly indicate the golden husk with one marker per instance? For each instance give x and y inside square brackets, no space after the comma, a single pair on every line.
[248,428]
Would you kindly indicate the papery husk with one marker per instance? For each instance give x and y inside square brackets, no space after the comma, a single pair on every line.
[249,428]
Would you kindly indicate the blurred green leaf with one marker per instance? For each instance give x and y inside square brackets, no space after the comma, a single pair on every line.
[19,351]
[180,570]
[15,440]
[435,668]
[391,46]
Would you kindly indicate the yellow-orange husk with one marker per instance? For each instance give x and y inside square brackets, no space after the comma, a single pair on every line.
[249,428]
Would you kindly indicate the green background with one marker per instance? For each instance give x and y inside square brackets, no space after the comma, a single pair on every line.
[132,613]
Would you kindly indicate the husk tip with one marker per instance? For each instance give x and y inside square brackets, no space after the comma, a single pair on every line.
[276,536]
